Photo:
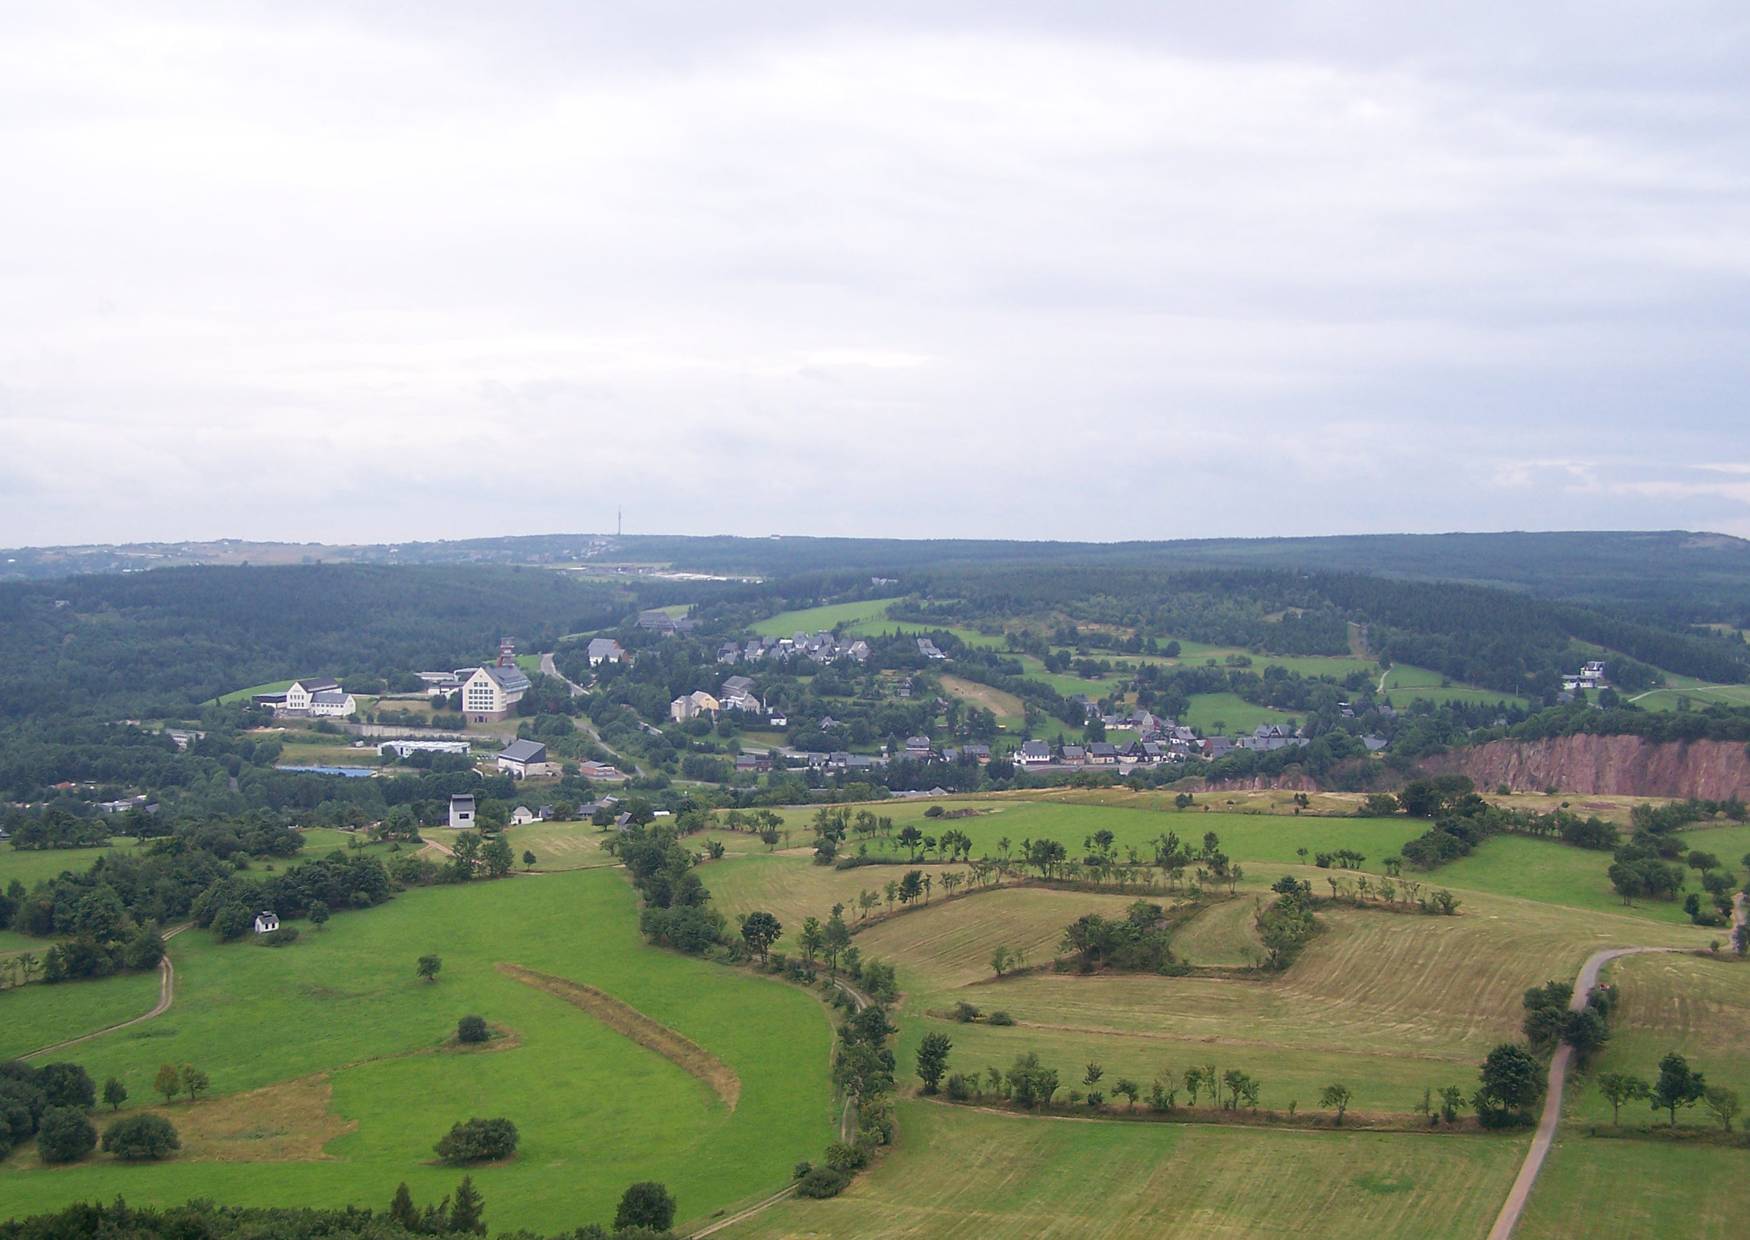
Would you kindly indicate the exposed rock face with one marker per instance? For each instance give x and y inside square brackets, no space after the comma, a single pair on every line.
[1621,765]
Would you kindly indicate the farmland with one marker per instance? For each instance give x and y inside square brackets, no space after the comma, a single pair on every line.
[344,1050]
[813,619]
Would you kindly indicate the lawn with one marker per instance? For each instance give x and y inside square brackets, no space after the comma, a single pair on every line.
[560,845]
[348,1044]
[961,1172]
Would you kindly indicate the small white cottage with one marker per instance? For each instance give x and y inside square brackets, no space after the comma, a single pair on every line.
[266,923]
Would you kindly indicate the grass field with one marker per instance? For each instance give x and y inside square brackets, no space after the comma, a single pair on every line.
[347,1043]
[1404,684]
[31,866]
[814,619]
[1009,709]
[238,695]
[1223,934]
[961,1172]
[559,845]
[1229,714]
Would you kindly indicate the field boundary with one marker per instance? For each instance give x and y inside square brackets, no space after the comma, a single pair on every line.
[629,1022]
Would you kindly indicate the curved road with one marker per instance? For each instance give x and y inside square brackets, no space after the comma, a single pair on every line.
[166,996]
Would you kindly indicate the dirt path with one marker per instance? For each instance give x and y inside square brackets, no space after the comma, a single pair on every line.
[166,996]
[1520,1193]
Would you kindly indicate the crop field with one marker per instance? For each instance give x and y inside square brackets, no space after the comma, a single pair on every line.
[1222,934]
[345,1057]
[962,1172]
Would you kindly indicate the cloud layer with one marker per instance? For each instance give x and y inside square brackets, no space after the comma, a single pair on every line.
[303,272]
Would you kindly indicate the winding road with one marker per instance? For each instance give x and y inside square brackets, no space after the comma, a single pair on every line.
[166,996]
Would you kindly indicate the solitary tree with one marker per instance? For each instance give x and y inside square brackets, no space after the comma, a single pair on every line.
[759,931]
[999,959]
[529,859]
[1620,1087]
[429,967]
[194,1082]
[933,1060]
[646,1204]
[318,914]
[1677,1086]
[1512,1082]
[168,1081]
[114,1093]
[1335,1097]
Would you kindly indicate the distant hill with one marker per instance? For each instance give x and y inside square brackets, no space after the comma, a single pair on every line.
[1675,574]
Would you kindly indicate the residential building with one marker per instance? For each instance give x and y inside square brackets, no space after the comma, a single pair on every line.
[929,649]
[738,694]
[692,705]
[604,650]
[1033,753]
[462,811]
[266,922]
[522,758]
[333,704]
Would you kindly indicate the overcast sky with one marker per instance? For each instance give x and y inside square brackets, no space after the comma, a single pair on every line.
[351,271]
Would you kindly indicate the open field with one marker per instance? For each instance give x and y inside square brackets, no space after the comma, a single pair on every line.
[240,695]
[1229,714]
[814,619]
[1640,1190]
[31,866]
[1009,709]
[1405,684]
[559,845]
[961,1172]
[342,1005]
[1222,934]
[40,1014]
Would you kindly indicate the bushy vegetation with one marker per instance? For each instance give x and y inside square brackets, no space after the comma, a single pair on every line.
[478,1140]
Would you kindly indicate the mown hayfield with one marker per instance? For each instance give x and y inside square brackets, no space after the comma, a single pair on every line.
[36,1015]
[949,943]
[1694,1005]
[1230,714]
[559,845]
[1637,1190]
[341,1011]
[793,888]
[1405,684]
[1222,934]
[960,1173]
[1009,709]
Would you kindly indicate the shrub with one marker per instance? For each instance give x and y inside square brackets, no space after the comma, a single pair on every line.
[822,1182]
[1000,1018]
[472,1029]
[141,1138]
[65,1135]
[283,937]
[478,1140]
[960,1088]
[646,1205]
[965,1013]
[842,1156]
[66,1085]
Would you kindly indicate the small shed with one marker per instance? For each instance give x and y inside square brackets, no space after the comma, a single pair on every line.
[266,922]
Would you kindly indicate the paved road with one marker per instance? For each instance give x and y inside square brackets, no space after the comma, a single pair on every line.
[550,668]
[166,996]
[1508,1219]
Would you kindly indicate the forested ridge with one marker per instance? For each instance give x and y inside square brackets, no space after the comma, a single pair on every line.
[160,642]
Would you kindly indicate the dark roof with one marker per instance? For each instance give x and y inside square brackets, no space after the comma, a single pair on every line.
[510,679]
[314,683]
[525,751]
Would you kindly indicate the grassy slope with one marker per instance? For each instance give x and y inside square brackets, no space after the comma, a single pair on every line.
[344,1001]
[32,866]
[813,619]
[964,1173]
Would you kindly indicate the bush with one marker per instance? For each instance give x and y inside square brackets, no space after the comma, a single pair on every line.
[965,1013]
[472,1029]
[841,1156]
[478,1140]
[65,1135]
[285,936]
[822,1182]
[1000,1018]
[959,1088]
[66,1085]
[645,1205]
[141,1138]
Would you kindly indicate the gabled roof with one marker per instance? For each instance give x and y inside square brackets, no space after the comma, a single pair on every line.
[510,679]
[524,751]
[315,684]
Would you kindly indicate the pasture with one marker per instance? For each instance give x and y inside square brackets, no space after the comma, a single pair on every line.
[814,619]
[960,1172]
[1009,709]
[1228,714]
[344,1055]
[1646,1190]
[31,866]
[1405,684]
[558,845]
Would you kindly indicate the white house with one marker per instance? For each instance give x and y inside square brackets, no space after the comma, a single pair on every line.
[300,692]
[604,650]
[266,923]
[403,748]
[522,815]
[491,692]
[333,704]
[738,694]
[1033,753]
[521,758]
[462,810]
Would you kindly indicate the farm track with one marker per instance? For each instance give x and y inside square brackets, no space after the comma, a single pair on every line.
[166,996]
[1520,1193]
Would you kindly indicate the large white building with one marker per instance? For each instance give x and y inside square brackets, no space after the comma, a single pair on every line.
[489,693]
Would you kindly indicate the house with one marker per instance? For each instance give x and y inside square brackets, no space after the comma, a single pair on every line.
[929,650]
[333,704]
[1073,755]
[462,810]
[918,748]
[490,692]
[692,705]
[737,694]
[522,815]
[521,758]
[659,621]
[752,763]
[779,720]
[266,922]
[604,650]
[1374,743]
[1215,747]
[1085,704]
[300,692]
[1102,753]
[1033,753]
[600,772]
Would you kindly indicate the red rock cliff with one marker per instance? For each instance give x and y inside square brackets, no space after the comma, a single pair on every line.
[1621,765]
